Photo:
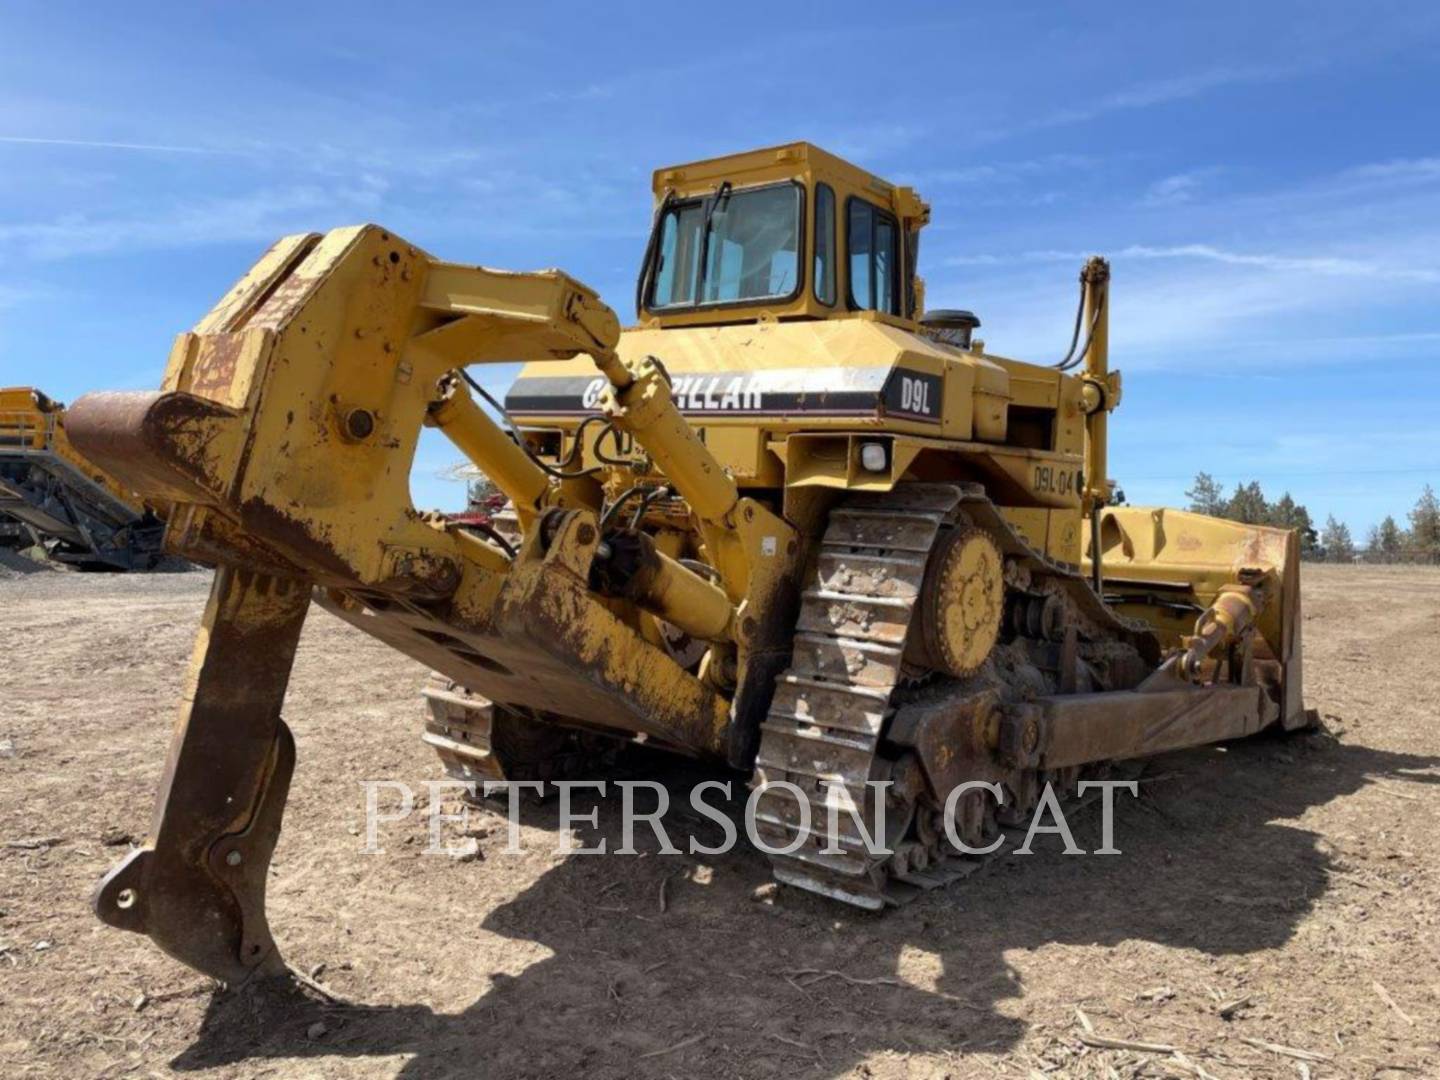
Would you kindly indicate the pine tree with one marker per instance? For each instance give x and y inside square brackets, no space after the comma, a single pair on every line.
[1374,550]
[1392,540]
[1335,539]
[1309,538]
[1206,497]
[1425,525]
[1282,512]
[1286,513]
[1248,505]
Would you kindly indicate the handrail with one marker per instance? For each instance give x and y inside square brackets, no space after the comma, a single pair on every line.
[23,428]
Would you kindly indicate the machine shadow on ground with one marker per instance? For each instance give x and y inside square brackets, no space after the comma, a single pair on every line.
[1212,862]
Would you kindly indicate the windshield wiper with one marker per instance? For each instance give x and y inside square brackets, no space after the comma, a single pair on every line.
[649,264]
[722,194]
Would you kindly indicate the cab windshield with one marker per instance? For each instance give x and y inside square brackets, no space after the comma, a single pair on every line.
[751,249]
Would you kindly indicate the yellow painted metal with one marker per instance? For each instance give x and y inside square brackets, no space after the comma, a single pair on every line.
[1095,315]
[962,603]
[483,556]
[808,166]
[329,357]
[487,446]
[1223,622]
[638,401]
[388,322]
[352,330]
[642,406]
[978,387]
[1039,478]
[282,439]
[356,332]
[28,419]
[1168,566]
[682,597]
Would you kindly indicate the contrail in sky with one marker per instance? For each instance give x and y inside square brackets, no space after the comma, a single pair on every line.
[95,144]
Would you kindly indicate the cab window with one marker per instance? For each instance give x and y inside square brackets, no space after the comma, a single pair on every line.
[749,242]
[872,240]
[824,282]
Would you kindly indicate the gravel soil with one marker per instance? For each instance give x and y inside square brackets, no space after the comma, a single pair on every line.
[1273,914]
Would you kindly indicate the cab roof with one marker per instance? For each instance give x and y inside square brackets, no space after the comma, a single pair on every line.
[768,163]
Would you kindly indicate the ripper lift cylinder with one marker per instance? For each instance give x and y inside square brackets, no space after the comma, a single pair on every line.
[680,596]
[639,403]
[485,443]
[648,413]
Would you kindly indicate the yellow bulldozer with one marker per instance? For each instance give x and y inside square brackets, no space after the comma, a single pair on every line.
[791,523]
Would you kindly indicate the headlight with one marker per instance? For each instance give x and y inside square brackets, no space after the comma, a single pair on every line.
[873,457]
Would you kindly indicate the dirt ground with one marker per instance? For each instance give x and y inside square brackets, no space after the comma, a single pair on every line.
[1296,876]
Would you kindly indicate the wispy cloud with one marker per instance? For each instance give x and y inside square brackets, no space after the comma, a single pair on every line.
[1303,264]
[261,215]
[1149,95]
[1329,265]
[1403,170]
[996,173]
[1177,189]
[1180,88]
[103,144]
[1417,337]
[1174,304]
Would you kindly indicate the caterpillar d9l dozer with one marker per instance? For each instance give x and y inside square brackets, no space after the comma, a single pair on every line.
[789,523]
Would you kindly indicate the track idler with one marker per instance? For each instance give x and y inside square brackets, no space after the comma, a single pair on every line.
[197,887]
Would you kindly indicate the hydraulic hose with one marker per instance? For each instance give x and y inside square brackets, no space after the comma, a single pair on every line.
[548,470]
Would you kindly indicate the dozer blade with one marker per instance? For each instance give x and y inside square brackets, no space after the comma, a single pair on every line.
[197,887]
[1166,567]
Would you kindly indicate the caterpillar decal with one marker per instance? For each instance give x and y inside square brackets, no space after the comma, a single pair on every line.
[837,391]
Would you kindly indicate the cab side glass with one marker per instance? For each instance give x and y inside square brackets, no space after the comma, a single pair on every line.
[860,228]
[884,272]
[873,241]
[824,281]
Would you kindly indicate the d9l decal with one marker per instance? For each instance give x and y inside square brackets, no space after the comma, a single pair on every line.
[914,394]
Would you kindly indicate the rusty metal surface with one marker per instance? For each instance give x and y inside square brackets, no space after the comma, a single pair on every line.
[459,729]
[1077,729]
[157,443]
[543,641]
[197,887]
[954,736]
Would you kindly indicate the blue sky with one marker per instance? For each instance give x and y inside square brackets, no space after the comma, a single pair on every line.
[1264,177]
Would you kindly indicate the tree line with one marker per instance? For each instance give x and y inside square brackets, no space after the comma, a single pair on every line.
[1332,542]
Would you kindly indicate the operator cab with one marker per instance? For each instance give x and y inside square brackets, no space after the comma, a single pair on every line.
[789,232]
